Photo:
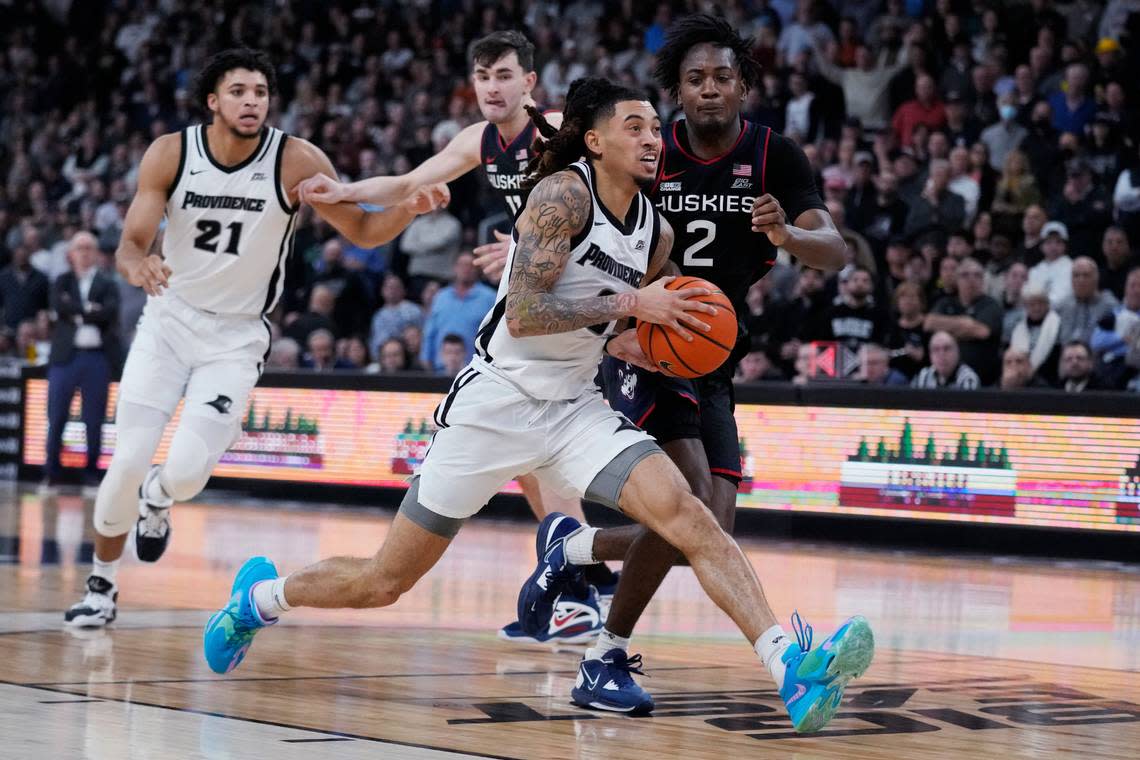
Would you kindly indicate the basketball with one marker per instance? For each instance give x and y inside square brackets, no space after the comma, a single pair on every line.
[675,356]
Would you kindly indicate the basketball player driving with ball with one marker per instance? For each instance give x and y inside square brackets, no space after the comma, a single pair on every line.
[527,403]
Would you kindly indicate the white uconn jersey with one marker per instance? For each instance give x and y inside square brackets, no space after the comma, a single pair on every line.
[609,256]
[229,229]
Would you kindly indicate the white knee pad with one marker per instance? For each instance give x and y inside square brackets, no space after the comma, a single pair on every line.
[139,431]
[198,444]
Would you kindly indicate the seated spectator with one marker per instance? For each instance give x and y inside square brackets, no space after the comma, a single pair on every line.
[875,367]
[1119,260]
[946,369]
[352,293]
[322,301]
[1083,207]
[756,367]
[452,355]
[1088,304]
[1011,300]
[393,357]
[974,319]
[925,109]
[1054,273]
[1001,259]
[1039,333]
[1032,236]
[431,243]
[413,340]
[1126,201]
[23,289]
[1115,336]
[907,338]
[805,364]
[354,352]
[962,183]
[396,313]
[322,352]
[1003,137]
[937,209]
[456,310]
[800,319]
[1073,106]
[1075,372]
[1016,191]
[855,319]
[284,355]
[1017,372]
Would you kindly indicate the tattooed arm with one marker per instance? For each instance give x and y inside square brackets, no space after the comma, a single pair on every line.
[661,265]
[557,210]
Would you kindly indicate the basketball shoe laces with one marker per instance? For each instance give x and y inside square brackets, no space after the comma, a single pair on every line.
[803,632]
[624,666]
[155,524]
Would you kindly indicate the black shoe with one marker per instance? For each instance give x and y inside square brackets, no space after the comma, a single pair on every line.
[152,531]
[97,608]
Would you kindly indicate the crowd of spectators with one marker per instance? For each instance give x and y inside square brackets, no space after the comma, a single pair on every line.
[980,158]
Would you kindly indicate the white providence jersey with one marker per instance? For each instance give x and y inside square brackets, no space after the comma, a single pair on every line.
[609,256]
[229,229]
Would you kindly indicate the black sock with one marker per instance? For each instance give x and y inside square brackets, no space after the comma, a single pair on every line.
[599,575]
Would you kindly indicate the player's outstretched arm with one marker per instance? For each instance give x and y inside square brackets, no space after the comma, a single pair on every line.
[460,156]
[364,228]
[557,210]
[157,174]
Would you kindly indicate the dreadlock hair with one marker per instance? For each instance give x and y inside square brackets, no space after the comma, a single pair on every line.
[485,51]
[689,31]
[216,66]
[588,101]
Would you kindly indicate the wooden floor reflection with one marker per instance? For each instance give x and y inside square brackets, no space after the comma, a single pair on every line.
[996,657]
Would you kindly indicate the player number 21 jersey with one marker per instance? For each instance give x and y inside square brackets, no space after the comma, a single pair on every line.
[229,229]
[609,256]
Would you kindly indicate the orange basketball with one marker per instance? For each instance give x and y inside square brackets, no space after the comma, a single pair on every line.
[677,357]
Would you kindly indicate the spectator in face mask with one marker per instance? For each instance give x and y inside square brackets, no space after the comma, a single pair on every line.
[1006,135]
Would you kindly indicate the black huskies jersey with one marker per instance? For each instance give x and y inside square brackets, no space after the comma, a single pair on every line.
[709,204]
[505,165]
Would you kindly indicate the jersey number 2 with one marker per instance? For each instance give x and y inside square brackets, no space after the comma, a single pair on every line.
[691,258]
[208,231]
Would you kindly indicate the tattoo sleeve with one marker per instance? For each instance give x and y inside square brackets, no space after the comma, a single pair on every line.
[558,209]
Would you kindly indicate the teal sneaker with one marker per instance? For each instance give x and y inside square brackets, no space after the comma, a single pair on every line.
[815,678]
[230,630]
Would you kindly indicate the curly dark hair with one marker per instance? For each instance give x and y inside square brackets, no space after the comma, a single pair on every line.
[486,50]
[217,65]
[689,31]
[588,101]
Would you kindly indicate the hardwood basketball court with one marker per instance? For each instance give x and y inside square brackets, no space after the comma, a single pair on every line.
[997,658]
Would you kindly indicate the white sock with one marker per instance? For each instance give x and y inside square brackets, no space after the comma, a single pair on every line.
[106,570]
[580,546]
[769,647]
[269,597]
[152,490]
[607,641]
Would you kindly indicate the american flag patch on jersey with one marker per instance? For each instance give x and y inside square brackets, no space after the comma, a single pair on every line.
[742,170]
[520,155]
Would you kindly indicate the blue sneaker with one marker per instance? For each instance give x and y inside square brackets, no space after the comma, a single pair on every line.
[815,678]
[575,621]
[605,684]
[230,630]
[553,575]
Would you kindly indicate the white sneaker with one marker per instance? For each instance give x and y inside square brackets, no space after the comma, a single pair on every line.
[152,531]
[97,608]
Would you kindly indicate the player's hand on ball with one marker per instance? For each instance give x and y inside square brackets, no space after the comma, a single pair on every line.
[658,304]
[626,348]
[428,198]
[151,274]
[492,257]
[321,188]
[768,217]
